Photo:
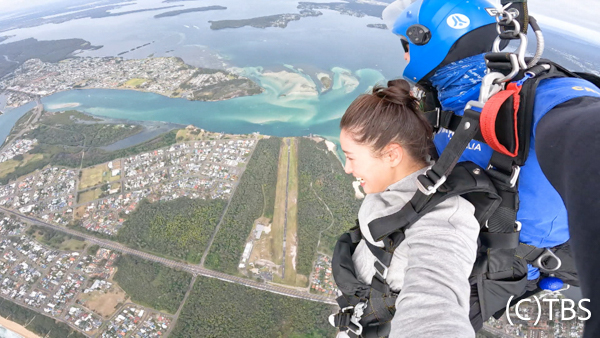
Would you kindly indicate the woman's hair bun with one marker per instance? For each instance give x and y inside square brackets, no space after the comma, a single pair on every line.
[399,83]
[397,92]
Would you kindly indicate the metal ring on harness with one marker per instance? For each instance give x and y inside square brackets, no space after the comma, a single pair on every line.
[540,262]
[489,86]
[520,51]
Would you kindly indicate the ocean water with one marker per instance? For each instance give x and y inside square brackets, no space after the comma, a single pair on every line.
[325,41]
[6,333]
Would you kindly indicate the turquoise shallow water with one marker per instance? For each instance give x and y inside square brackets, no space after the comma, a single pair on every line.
[269,113]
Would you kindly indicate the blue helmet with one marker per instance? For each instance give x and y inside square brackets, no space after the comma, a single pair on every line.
[433,27]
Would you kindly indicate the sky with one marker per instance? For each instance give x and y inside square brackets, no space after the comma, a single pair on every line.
[580,11]
[583,13]
[574,16]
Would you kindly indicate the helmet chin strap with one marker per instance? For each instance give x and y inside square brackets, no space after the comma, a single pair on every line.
[521,6]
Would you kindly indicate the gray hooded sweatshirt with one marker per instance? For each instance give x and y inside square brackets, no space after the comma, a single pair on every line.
[430,267]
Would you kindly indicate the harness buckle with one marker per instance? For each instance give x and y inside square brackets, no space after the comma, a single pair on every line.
[356,316]
[357,313]
[431,185]
[514,176]
[540,261]
[383,274]
[438,112]
[431,189]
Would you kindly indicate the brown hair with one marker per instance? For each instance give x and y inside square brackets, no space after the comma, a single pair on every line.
[389,115]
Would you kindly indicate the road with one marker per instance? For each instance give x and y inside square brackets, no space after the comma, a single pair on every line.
[214,234]
[176,316]
[193,269]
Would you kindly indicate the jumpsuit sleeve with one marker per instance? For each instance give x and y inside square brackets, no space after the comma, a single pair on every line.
[434,300]
[567,143]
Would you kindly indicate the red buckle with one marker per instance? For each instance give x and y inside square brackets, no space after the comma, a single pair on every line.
[489,114]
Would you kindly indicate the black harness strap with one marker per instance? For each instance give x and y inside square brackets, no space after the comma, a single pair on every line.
[448,120]
[428,183]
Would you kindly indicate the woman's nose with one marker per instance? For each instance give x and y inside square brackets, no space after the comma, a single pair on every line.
[347,167]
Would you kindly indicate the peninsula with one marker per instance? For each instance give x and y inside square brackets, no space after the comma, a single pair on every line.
[168,76]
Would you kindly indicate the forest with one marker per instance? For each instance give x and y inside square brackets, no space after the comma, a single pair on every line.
[36,322]
[88,135]
[254,193]
[321,176]
[152,284]
[220,309]
[180,228]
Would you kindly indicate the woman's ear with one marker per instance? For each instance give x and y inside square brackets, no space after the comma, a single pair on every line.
[394,154]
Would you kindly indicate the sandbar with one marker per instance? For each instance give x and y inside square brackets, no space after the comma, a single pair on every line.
[293,84]
[64,105]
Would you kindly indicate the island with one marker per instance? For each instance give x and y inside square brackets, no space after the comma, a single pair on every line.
[358,8]
[59,15]
[189,10]
[377,25]
[279,20]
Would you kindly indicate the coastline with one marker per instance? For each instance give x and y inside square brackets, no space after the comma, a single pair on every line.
[17,328]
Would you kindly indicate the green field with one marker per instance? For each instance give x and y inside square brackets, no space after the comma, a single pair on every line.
[134,83]
[10,166]
[96,175]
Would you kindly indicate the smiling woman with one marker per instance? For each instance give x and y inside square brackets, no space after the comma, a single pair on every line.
[387,141]
[384,137]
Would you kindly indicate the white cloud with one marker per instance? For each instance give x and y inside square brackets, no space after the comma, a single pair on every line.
[583,13]
[584,33]
[13,5]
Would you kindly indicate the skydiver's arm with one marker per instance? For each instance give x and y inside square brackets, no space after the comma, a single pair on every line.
[434,301]
[568,149]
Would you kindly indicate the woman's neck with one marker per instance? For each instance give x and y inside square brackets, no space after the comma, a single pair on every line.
[408,169]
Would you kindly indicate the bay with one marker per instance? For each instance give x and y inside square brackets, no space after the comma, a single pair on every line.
[269,113]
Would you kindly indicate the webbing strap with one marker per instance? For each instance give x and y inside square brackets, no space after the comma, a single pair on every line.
[448,120]
[494,240]
[528,252]
[489,115]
